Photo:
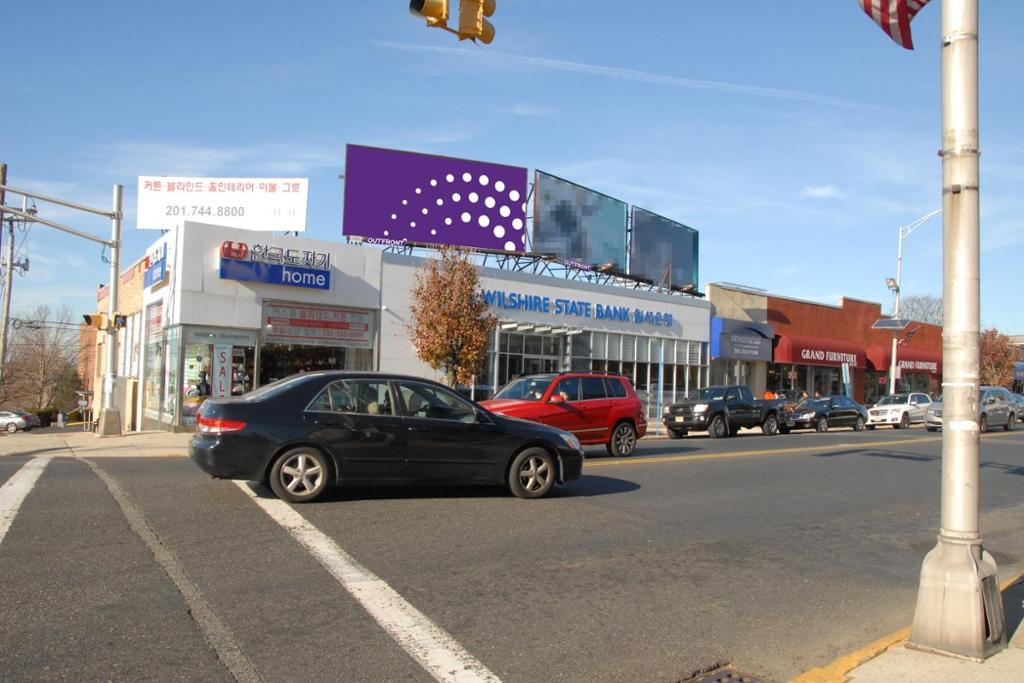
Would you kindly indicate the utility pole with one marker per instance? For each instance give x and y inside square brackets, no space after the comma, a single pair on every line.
[959,607]
[7,273]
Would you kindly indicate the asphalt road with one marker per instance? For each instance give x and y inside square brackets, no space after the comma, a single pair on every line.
[774,554]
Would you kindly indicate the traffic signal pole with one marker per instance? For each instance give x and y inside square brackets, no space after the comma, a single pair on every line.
[959,607]
[110,416]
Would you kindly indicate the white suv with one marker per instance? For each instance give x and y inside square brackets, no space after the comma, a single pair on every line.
[898,410]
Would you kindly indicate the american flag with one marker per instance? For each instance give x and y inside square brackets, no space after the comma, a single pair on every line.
[894,17]
[906,339]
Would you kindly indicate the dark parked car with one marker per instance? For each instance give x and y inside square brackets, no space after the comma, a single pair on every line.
[821,414]
[598,408]
[313,430]
[998,409]
[722,411]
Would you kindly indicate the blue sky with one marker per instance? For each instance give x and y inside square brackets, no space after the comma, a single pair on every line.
[796,137]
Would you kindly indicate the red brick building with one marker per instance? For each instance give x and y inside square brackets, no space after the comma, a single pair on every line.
[814,340]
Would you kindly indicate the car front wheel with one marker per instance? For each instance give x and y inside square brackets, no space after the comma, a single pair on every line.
[11,427]
[532,473]
[676,433]
[984,423]
[1009,423]
[770,427]
[718,429]
[623,441]
[904,422]
[300,475]
[822,424]
[859,426]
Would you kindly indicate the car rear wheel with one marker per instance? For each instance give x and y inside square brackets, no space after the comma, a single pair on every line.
[717,429]
[300,475]
[623,441]
[822,424]
[1009,423]
[770,426]
[532,473]
[11,427]
[859,426]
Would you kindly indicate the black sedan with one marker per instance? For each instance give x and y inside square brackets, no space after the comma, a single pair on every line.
[820,414]
[312,430]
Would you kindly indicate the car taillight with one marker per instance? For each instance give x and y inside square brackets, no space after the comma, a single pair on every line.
[215,425]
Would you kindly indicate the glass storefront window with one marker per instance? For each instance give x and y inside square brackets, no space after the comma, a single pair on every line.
[153,367]
[172,363]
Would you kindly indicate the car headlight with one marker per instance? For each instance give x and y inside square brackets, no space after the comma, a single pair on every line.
[667,410]
[805,416]
[571,441]
[700,407]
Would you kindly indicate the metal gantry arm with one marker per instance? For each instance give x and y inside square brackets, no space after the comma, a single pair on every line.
[110,416]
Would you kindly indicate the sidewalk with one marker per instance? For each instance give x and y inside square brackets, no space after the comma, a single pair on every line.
[891,659]
[87,444]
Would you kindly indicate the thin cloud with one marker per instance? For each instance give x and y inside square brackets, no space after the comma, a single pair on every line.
[629,74]
[822,192]
[146,158]
[526,109]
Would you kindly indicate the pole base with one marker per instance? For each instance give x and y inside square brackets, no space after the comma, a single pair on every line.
[959,606]
[110,422]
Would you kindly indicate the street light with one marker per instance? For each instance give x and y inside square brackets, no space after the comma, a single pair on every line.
[894,285]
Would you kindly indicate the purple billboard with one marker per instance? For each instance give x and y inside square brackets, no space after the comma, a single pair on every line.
[392,197]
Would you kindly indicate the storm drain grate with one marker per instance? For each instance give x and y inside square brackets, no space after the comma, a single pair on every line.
[728,675]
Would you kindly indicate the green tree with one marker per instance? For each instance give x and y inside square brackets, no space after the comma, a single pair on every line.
[997,354]
[450,323]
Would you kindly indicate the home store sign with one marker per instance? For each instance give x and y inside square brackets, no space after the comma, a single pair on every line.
[575,308]
[275,265]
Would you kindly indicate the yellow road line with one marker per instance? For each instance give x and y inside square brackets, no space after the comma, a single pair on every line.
[838,670]
[770,451]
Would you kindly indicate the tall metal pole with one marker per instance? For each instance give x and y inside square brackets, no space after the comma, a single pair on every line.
[896,315]
[7,282]
[110,415]
[959,607]
[5,313]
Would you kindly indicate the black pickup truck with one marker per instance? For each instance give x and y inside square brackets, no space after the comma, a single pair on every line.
[723,411]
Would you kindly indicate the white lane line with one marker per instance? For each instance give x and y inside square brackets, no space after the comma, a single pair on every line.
[14,490]
[217,633]
[426,642]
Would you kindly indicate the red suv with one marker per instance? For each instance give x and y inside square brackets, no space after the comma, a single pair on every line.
[597,408]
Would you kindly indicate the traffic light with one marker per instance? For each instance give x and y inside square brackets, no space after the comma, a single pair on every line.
[434,11]
[97,320]
[472,25]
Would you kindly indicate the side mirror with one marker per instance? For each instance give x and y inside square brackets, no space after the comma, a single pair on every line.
[556,399]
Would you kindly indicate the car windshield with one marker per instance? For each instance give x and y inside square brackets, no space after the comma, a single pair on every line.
[525,388]
[812,404]
[897,399]
[709,394]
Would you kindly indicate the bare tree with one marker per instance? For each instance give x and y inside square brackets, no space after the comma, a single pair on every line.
[922,308]
[41,371]
[450,324]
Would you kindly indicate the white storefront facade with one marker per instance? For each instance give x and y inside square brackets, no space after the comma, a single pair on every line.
[239,308]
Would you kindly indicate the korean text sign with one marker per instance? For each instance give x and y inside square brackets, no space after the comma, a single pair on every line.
[275,204]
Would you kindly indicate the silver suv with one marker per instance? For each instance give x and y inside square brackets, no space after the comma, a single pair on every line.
[998,409]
